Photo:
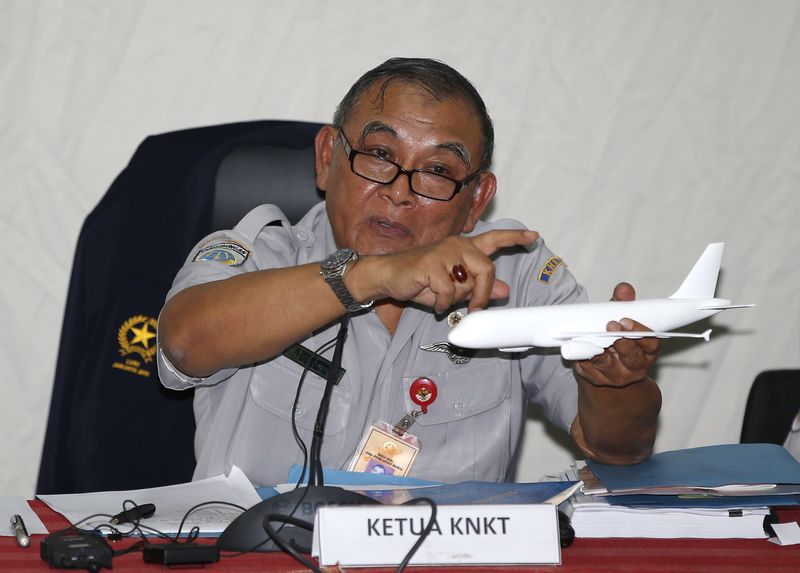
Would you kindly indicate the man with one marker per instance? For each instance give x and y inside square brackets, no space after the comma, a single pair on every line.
[405,171]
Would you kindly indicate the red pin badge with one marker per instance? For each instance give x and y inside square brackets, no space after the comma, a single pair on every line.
[423,393]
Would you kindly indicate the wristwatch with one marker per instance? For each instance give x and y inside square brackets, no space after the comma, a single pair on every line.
[332,269]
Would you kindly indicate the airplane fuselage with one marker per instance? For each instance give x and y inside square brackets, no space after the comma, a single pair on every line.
[545,326]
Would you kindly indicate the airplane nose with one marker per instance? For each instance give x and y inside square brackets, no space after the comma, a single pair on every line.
[459,336]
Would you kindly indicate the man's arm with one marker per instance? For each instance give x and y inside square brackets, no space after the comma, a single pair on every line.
[618,403]
[254,316]
[244,319]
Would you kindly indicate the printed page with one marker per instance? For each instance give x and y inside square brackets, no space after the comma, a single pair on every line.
[90,510]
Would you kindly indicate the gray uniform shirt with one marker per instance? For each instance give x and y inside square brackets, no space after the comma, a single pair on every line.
[471,432]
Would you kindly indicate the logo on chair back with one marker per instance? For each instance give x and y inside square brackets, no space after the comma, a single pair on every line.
[136,337]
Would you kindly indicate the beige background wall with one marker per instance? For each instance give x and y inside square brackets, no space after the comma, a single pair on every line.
[629,133]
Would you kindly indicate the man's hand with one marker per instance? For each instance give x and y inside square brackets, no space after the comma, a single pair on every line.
[618,404]
[425,275]
[628,360]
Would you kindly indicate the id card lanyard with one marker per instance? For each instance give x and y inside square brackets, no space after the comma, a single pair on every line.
[390,448]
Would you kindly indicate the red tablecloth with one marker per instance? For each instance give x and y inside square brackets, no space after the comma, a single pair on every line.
[585,555]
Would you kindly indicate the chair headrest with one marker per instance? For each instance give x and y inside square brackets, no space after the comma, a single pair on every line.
[252,175]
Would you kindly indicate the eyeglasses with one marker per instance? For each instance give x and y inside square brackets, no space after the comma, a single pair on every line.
[423,183]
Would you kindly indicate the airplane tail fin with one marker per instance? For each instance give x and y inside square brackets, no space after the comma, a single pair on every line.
[701,282]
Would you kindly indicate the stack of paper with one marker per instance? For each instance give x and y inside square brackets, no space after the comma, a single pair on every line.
[718,491]
[594,516]
[172,503]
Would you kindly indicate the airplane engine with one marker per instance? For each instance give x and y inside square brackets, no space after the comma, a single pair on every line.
[580,350]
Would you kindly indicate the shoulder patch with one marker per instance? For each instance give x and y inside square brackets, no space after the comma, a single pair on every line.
[549,268]
[227,252]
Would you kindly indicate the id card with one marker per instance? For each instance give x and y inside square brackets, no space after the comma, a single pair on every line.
[382,451]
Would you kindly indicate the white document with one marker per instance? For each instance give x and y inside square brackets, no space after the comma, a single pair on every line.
[786,533]
[172,502]
[481,534]
[14,505]
[593,516]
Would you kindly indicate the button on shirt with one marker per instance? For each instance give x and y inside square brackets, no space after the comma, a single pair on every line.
[471,432]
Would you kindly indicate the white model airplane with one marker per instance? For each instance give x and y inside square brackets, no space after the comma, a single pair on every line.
[580,329]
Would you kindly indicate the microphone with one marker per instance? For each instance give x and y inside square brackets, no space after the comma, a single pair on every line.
[295,509]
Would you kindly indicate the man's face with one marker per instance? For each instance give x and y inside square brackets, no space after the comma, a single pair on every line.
[415,131]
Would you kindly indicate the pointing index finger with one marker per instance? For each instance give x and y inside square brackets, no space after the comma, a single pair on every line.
[491,241]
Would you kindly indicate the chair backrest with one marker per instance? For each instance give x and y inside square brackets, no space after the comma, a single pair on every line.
[772,404]
[111,424]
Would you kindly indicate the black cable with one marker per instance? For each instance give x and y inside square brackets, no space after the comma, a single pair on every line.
[136,527]
[139,528]
[191,536]
[138,546]
[195,508]
[315,476]
[285,547]
[323,348]
[116,533]
[425,532]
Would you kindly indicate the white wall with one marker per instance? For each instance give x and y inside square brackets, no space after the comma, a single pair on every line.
[629,133]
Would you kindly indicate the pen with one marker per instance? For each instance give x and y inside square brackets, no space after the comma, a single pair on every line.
[18,526]
[134,514]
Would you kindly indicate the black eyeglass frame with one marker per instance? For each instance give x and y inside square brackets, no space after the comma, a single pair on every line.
[352,153]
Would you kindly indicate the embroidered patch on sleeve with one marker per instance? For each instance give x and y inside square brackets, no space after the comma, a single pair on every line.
[226,252]
[549,268]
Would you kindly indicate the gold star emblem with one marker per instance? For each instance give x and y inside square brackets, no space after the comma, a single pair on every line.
[135,334]
[142,335]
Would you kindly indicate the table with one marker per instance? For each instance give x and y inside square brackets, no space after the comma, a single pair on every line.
[585,555]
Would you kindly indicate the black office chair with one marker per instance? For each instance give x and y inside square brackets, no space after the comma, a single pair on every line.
[772,404]
[111,423]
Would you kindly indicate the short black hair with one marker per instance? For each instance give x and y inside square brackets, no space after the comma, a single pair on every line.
[437,78]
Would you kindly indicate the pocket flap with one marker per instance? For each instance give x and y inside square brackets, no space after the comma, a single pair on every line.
[273,391]
[462,392]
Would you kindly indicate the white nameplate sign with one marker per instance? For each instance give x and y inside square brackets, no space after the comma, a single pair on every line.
[381,535]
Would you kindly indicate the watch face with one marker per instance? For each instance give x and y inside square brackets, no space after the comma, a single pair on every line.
[337,258]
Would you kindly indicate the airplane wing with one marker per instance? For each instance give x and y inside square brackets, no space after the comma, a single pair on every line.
[587,336]
[585,345]
[723,306]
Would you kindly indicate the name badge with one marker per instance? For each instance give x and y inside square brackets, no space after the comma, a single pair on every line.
[383,451]
[380,536]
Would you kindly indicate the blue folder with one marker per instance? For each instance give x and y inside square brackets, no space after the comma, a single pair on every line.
[707,466]
[341,478]
[469,492]
[475,493]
